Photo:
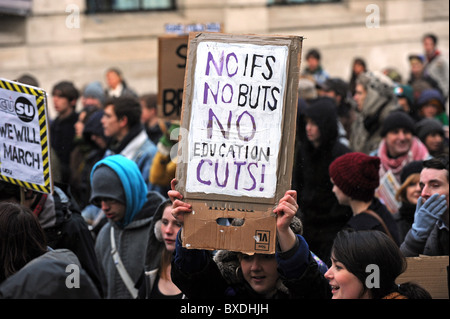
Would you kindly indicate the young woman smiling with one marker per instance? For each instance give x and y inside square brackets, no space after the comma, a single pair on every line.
[356,255]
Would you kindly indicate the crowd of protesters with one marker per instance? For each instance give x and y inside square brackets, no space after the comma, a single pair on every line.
[116,215]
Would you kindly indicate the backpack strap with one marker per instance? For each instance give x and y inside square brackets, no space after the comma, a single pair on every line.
[121,268]
[380,220]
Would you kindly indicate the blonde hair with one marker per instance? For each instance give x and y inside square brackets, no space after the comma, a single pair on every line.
[401,192]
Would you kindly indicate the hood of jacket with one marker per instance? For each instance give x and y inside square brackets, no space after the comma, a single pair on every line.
[53,209]
[380,91]
[323,112]
[144,217]
[132,182]
[155,244]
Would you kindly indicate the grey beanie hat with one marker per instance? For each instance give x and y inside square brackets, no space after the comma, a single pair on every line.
[106,183]
[427,126]
[95,90]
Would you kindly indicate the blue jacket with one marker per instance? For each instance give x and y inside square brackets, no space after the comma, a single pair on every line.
[132,182]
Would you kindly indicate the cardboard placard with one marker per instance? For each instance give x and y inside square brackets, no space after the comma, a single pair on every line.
[171,69]
[238,132]
[430,272]
[24,139]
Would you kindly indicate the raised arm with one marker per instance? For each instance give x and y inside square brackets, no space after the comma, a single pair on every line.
[286,210]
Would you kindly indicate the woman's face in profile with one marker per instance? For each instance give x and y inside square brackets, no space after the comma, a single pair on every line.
[344,284]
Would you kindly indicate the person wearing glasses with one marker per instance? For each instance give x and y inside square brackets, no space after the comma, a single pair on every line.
[119,190]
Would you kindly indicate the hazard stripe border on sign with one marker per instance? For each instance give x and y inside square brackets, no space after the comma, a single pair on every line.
[41,103]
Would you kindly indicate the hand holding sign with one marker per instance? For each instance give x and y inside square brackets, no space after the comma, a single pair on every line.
[286,210]
[179,208]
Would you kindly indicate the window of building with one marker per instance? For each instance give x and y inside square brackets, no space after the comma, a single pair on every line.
[280,2]
[16,7]
[96,6]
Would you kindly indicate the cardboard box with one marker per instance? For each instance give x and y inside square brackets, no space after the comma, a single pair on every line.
[237,140]
[204,229]
[430,272]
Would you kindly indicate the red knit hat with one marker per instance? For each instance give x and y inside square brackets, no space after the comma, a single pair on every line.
[356,174]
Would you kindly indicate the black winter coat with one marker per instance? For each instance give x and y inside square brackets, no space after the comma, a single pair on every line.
[364,221]
[216,281]
[405,219]
[320,212]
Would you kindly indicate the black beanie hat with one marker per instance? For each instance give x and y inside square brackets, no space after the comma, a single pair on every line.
[427,126]
[93,124]
[396,120]
[413,167]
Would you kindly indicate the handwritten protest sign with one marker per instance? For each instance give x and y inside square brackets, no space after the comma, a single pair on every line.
[24,151]
[239,113]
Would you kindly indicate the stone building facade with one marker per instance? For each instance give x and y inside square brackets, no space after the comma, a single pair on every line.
[59,40]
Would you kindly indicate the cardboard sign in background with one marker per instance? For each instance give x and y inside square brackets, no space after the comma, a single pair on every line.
[239,115]
[24,140]
[171,69]
[430,272]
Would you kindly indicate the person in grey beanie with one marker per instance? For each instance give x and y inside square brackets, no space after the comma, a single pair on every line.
[94,94]
[431,132]
[120,191]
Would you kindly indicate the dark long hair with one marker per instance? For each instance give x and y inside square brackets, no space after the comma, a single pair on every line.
[358,249]
[21,238]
